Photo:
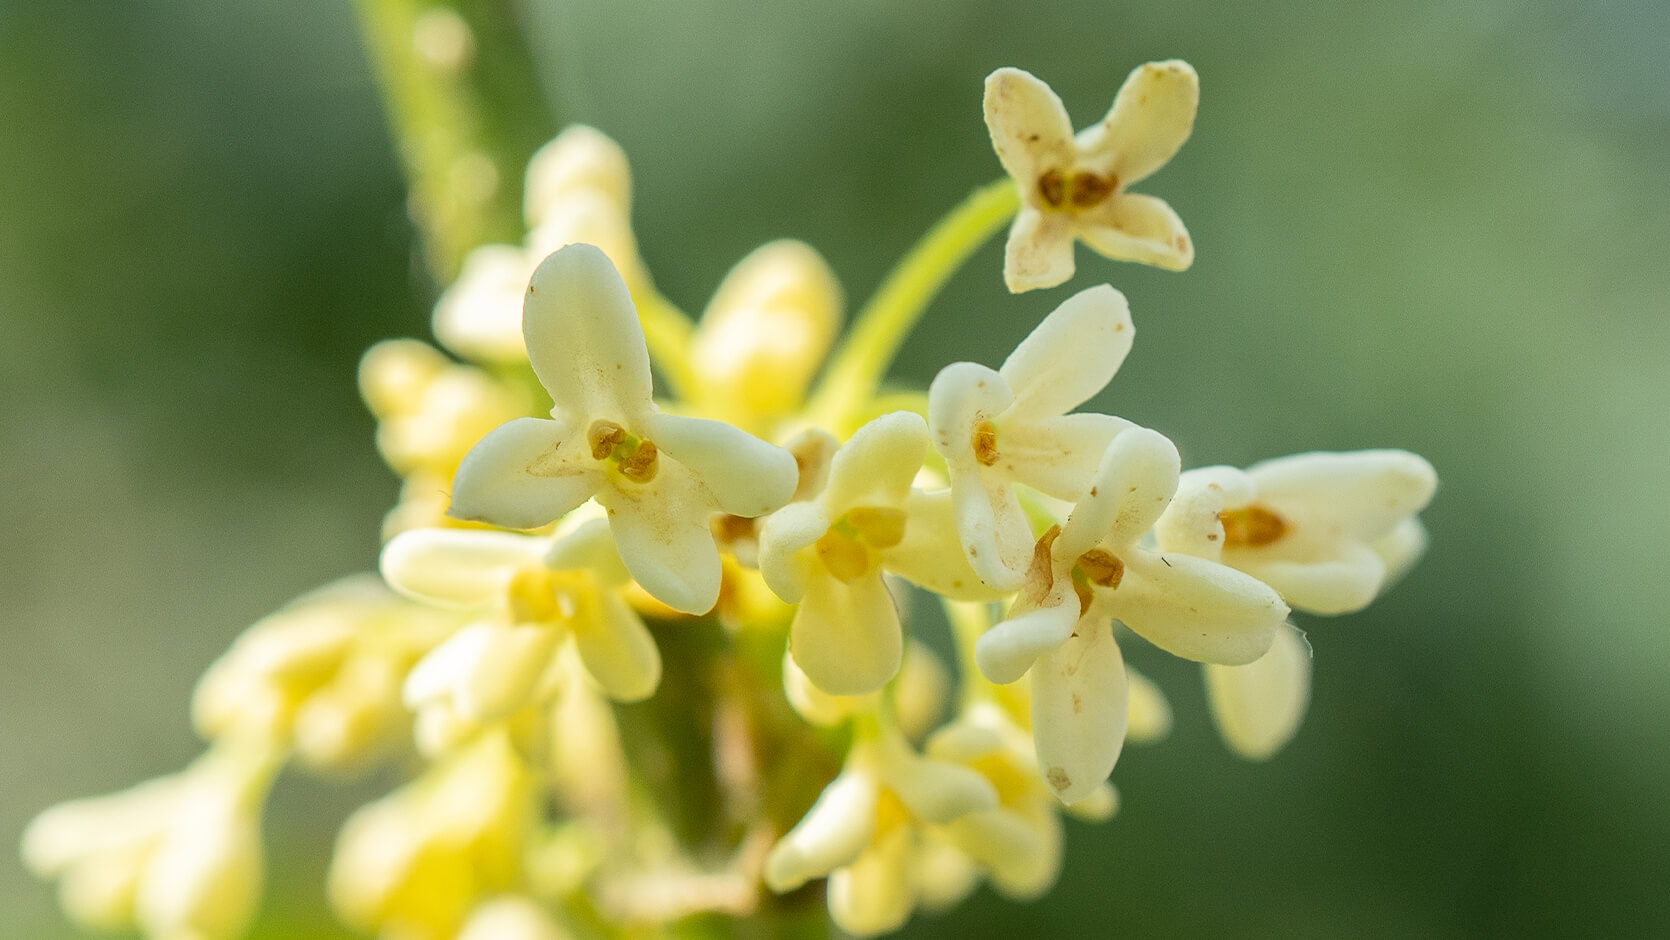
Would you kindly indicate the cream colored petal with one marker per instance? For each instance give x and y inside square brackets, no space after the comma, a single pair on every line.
[1071,355]
[1039,252]
[920,692]
[588,546]
[1079,711]
[1135,227]
[875,894]
[961,396]
[503,677]
[747,476]
[930,555]
[1029,127]
[1191,524]
[583,337]
[831,834]
[1195,608]
[1342,584]
[1100,806]
[661,531]
[934,791]
[580,158]
[1366,492]
[1400,549]
[1150,713]
[480,316]
[588,217]
[1258,707]
[783,537]
[525,474]
[441,671]
[457,567]
[877,464]
[1058,456]
[69,833]
[846,637]
[814,704]
[1006,651]
[617,647]
[993,529]
[945,874]
[1132,487]
[1151,118]
[205,878]
[963,742]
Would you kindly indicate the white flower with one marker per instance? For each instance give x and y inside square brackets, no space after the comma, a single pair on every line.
[659,476]
[1258,707]
[864,831]
[1075,186]
[1095,569]
[997,429]
[546,590]
[827,555]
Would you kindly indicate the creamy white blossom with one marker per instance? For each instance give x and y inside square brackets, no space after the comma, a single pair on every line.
[660,476]
[1074,186]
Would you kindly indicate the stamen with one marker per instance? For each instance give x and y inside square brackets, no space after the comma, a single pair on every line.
[1251,527]
[1052,186]
[1102,567]
[1090,189]
[603,436]
[985,443]
[640,465]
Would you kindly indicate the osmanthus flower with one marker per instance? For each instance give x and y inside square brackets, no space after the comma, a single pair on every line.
[322,675]
[1011,426]
[175,857]
[534,594]
[415,863]
[866,829]
[827,555]
[659,476]
[578,190]
[1094,569]
[1074,186]
[1326,530]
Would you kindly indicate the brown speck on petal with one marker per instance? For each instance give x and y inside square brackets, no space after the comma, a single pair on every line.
[1057,777]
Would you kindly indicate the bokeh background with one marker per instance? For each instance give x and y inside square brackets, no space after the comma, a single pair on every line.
[1439,226]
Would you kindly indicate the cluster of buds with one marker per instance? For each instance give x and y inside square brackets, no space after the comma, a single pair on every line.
[652,646]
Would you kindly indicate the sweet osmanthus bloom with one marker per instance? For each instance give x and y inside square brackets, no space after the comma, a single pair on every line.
[865,831]
[1011,426]
[536,592]
[1326,530]
[1094,569]
[827,555]
[1074,186]
[659,476]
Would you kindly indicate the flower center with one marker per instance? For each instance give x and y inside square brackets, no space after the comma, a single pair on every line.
[1081,190]
[849,549]
[633,457]
[1095,567]
[1251,527]
[985,443]
[532,597]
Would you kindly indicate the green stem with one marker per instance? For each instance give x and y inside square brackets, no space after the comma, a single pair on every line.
[882,325]
[466,113]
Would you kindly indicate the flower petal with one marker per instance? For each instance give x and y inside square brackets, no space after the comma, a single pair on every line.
[457,567]
[1022,853]
[1132,488]
[846,637]
[480,315]
[783,535]
[747,476]
[876,465]
[583,337]
[831,834]
[1071,355]
[1006,651]
[1196,609]
[930,555]
[1400,549]
[504,674]
[990,524]
[1341,584]
[1191,524]
[1365,492]
[875,894]
[1151,118]
[1058,456]
[661,531]
[1135,227]
[588,546]
[934,791]
[525,474]
[1079,711]
[616,647]
[1039,252]
[1150,713]
[1258,707]
[1029,126]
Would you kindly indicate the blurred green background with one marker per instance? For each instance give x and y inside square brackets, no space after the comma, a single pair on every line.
[1439,226]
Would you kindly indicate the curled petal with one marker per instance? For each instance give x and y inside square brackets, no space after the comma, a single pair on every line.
[963,395]
[583,337]
[1071,355]
[525,474]
[1039,252]
[1029,126]
[1197,609]
[930,556]
[1366,492]
[1343,583]
[616,647]
[1006,651]
[459,567]
[661,531]
[1151,118]
[1079,711]
[831,834]
[747,476]
[783,536]
[1133,486]
[877,464]
[1137,227]
[846,637]
[1258,707]
[996,538]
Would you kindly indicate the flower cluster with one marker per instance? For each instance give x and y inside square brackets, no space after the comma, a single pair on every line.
[652,644]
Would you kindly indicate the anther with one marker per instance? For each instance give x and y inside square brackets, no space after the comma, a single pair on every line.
[603,436]
[1052,187]
[1251,527]
[985,443]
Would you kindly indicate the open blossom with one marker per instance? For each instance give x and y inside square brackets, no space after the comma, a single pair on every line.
[660,476]
[1095,569]
[1074,187]
[1000,428]
[865,831]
